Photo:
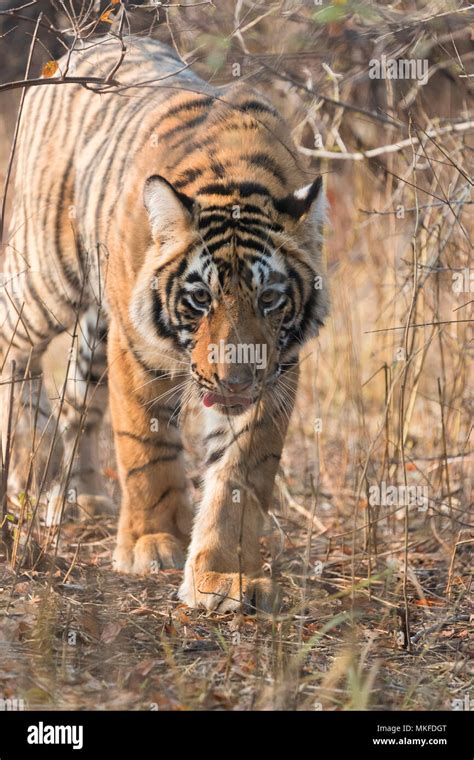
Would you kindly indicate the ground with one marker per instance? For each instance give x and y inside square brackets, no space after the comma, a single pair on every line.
[75,635]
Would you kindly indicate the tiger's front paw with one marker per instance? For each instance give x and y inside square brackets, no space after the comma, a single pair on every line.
[228,592]
[152,552]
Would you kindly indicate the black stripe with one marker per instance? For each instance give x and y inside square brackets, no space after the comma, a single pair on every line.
[194,145]
[108,161]
[219,230]
[263,224]
[295,276]
[245,189]
[214,434]
[29,328]
[261,234]
[251,208]
[201,102]
[264,161]
[256,105]
[150,463]
[90,170]
[130,346]
[253,245]
[215,456]
[148,441]
[54,326]
[264,459]
[142,108]
[166,492]
[246,208]
[175,275]
[212,247]
[187,177]
[32,159]
[71,277]
[308,311]
[206,219]
[162,328]
[99,120]
[192,277]
[183,127]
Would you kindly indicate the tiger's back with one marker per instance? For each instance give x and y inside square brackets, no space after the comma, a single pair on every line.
[74,149]
[79,149]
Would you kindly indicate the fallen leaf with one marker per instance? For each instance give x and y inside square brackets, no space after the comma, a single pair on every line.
[428,603]
[22,588]
[141,611]
[110,632]
[181,615]
[169,629]
[335,29]
[447,633]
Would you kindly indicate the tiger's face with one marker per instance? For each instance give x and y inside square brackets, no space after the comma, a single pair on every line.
[235,315]
[236,288]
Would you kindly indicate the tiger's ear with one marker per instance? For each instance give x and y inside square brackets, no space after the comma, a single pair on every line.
[307,200]
[170,212]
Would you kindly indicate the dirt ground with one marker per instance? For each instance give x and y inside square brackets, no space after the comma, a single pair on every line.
[75,635]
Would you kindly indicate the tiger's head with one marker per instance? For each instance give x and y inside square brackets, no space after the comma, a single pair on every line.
[235,286]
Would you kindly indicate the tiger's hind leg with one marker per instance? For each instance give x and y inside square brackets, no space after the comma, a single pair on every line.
[82,488]
[31,438]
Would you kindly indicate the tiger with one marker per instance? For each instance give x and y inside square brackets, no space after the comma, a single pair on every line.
[168,227]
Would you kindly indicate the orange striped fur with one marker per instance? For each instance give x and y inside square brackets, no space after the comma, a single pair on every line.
[172,221]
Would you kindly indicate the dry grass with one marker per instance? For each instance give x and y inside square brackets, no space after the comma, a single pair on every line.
[376,607]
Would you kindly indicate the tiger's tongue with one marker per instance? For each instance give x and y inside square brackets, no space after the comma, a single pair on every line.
[209,399]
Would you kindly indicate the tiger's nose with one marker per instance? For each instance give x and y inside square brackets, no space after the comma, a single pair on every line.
[236,386]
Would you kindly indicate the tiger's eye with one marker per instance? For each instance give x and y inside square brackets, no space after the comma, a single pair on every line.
[270,297]
[201,296]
